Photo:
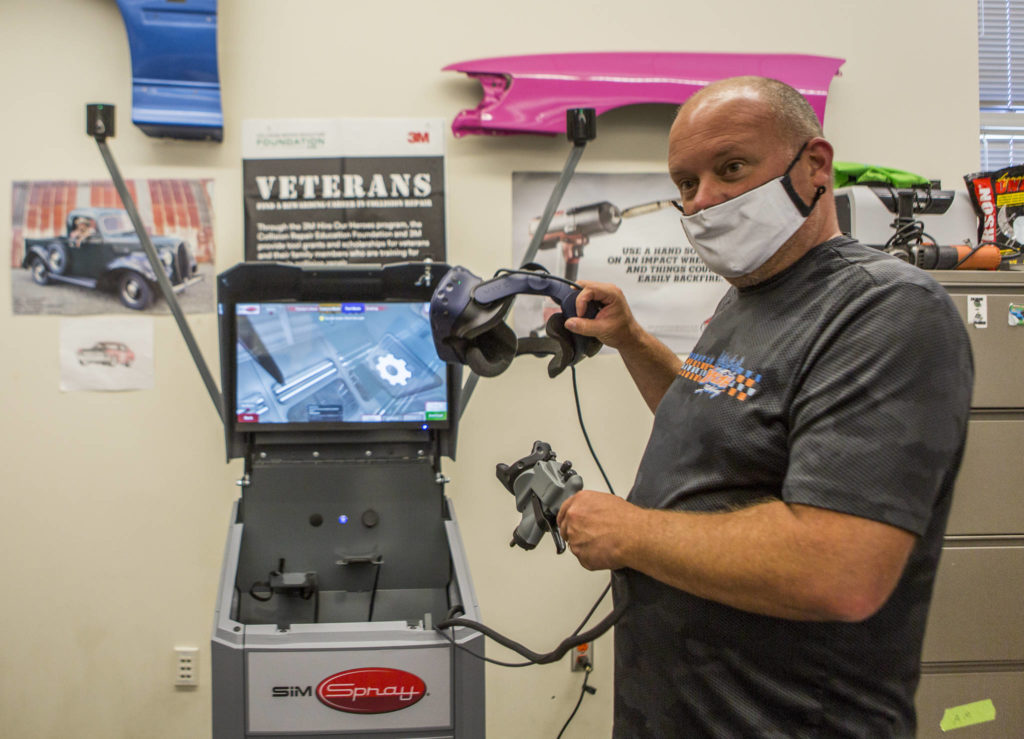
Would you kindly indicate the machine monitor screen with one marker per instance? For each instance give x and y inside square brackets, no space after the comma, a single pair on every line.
[337,365]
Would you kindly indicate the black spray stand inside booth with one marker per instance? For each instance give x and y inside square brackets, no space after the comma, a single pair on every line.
[343,550]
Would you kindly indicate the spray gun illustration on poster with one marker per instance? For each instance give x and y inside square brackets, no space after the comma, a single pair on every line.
[618,228]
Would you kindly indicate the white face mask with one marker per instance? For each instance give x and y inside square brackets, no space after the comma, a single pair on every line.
[736,237]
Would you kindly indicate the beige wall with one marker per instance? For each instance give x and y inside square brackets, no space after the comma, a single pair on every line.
[114,507]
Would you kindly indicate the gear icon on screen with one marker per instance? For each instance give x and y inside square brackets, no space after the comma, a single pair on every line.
[393,370]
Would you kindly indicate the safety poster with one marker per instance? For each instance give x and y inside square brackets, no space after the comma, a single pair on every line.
[622,229]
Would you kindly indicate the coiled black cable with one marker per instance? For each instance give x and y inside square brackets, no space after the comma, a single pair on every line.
[544,658]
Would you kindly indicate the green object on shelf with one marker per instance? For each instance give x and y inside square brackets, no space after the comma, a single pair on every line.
[852,173]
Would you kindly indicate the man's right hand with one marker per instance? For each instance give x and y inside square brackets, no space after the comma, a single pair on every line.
[614,324]
[651,364]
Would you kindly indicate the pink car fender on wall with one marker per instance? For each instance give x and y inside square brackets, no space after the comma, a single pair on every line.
[530,94]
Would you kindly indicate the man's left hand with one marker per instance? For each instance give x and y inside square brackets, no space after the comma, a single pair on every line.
[599,528]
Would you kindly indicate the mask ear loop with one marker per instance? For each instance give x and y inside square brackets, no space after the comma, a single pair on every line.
[787,184]
[805,210]
[796,159]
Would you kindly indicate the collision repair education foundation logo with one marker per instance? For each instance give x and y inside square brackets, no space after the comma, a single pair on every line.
[304,140]
[724,374]
[371,690]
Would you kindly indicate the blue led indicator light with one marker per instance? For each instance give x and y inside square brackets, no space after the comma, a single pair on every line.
[343,518]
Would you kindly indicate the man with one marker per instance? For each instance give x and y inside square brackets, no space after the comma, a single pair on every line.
[780,541]
[83,228]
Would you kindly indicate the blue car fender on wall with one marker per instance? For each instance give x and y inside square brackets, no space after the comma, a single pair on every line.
[175,83]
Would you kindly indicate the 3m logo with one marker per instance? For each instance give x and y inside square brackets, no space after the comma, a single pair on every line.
[419,137]
[371,690]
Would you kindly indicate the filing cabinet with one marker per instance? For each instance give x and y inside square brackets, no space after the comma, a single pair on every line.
[974,642]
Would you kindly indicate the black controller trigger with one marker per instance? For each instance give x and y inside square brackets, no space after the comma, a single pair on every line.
[546,521]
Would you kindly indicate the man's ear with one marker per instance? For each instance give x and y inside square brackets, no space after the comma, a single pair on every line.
[819,156]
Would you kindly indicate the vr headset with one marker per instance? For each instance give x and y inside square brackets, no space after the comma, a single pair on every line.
[467,317]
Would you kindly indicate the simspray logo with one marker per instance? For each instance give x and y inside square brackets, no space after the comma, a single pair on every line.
[371,690]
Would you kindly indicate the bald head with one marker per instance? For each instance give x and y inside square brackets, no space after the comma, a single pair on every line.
[793,117]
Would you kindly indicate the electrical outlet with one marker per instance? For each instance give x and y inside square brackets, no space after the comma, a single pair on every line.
[186,666]
[582,656]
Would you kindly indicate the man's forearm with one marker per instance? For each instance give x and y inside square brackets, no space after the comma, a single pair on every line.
[651,364]
[779,560]
[774,558]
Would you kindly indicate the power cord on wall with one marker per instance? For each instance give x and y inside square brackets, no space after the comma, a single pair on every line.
[583,691]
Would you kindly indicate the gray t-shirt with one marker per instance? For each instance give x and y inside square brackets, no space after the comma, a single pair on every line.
[843,383]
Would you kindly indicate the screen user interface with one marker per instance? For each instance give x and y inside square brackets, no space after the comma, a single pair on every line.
[301,363]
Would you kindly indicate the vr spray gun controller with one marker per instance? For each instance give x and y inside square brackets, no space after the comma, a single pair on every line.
[540,484]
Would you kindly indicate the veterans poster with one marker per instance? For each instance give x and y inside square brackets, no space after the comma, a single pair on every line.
[344,191]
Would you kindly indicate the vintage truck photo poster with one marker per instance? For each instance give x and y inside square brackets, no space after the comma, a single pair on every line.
[74,250]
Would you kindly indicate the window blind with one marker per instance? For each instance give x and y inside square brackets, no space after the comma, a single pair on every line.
[1001,82]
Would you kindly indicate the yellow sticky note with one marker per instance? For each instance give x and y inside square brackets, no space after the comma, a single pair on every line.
[968,714]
